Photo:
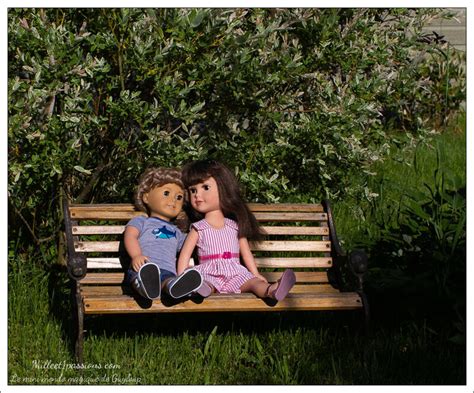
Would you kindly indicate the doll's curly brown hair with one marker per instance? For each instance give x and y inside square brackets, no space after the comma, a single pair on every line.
[157,177]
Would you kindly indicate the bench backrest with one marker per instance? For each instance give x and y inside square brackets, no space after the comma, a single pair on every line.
[298,237]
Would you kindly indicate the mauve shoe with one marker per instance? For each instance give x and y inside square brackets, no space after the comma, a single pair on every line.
[204,290]
[285,283]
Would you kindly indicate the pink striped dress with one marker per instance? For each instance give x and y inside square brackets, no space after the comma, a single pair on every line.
[219,256]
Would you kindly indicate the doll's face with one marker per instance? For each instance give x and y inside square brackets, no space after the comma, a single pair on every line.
[205,196]
[164,202]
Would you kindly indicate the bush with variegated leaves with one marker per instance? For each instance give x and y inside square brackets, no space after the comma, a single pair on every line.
[297,101]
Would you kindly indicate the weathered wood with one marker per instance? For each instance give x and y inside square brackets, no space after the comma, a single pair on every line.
[289,207]
[294,231]
[302,212]
[291,245]
[293,262]
[269,230]
[283,245]
[117,290]
[97,246]
[98,229]
[107,278]
[289,216]
[99,214]
[227,303]
[103,263]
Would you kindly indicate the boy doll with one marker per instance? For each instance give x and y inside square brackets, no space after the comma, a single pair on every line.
[153,242]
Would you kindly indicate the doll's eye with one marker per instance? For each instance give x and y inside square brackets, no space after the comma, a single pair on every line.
[166,193]
[179,197]
[206,187]
[192,190]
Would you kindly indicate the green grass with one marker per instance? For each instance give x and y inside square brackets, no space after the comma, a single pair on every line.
[287,348]
[244,348]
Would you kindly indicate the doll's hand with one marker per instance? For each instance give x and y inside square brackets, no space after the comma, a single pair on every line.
[260,277]
[138,261]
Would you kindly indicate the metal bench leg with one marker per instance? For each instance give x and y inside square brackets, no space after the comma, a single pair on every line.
[366,311]
[78,323]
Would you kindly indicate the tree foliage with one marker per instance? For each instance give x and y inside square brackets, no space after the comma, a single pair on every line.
[296,100]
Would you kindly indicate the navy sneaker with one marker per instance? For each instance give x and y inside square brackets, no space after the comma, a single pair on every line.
[185,284]
[148,282]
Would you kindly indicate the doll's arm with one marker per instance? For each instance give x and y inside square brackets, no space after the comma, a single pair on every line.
[187,251]
[130,239]
[248,258]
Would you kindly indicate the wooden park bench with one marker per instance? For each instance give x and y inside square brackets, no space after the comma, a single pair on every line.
[299,236]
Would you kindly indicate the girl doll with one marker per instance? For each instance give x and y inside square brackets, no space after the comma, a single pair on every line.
[153,242]
[222,234]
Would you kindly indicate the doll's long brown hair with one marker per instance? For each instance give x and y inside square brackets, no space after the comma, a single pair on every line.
[231,201]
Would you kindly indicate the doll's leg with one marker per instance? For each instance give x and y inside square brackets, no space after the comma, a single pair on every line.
[258,287]
[278,290]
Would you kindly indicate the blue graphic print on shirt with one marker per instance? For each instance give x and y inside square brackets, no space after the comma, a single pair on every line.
[163,233]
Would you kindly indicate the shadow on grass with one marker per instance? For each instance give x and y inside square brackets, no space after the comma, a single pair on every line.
[330,346]
[61,306]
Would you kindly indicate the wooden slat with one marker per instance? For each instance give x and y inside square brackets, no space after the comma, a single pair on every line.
[292,230]
[226,303]
[293,262]
[307,277]
[291,245]
[104,291]
[290,216]
[283,245]
[98,229]
[108,278]
[103,263]
[269,230]
[117,290]
[74,207]
[100,214]
[126,210]
[110,263]
[255,207]
[261,262]
[314,288]
[289,207]
[97,246]
[93,278]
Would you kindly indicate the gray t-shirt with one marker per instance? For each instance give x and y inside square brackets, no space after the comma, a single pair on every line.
[159,240]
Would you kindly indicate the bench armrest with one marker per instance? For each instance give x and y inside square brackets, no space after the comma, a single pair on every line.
[76,262]
[356,261]
[336,246]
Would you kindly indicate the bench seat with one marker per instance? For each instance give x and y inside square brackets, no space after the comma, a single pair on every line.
[110,297]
